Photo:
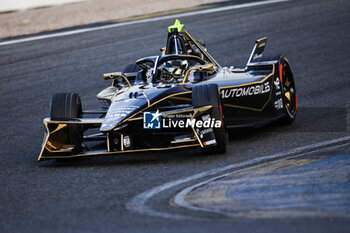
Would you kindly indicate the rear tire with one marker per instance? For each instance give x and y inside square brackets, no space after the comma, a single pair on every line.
[67,106]
[289,95]
[209,95]
[289,92]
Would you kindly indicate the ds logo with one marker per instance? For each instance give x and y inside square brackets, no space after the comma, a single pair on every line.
[151,120]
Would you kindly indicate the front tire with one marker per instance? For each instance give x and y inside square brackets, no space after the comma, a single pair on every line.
[64,107]
[208,94]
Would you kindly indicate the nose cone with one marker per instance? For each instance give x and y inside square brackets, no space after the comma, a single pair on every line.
[121,110]
[131,102]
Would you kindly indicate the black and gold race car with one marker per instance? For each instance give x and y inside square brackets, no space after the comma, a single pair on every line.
[181,98]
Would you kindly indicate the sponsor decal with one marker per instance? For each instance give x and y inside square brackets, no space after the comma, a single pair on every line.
[245,91]
[277,83]
[278,104]
[210,142]
[126,141]
[257,55]
[201,133]
[261,45]
[149,75]
[153,120]
[181,123]
[191,76]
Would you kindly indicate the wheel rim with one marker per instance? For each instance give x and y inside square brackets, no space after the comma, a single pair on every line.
[289,93]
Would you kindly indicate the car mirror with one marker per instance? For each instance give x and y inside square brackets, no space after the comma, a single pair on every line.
[199,68]
[116,75]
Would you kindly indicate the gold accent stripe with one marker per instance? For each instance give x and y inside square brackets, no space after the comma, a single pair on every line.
[205,53]
[136,119]
[46,138]
[195,133]
[148,102]
[264,39]
[182,98]
[198,139]
[59,127]
[122,141]
[108,145]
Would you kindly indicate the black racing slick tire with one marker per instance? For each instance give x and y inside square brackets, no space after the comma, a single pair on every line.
[289,95]
[208,94]
[67,106]
[287,83]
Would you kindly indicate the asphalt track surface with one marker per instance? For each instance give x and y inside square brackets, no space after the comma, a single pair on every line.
[299,186]
[91,194]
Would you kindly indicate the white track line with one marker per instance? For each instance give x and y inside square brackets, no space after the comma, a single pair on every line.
[138,203]
[78,31]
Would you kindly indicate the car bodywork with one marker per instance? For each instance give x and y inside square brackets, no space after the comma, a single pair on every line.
[250,96]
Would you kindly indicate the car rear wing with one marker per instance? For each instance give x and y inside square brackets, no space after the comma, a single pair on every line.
[257,51]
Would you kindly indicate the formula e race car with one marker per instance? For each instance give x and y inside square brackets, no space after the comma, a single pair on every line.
[180,98]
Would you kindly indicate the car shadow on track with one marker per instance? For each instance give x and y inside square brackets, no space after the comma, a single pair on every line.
[140,158]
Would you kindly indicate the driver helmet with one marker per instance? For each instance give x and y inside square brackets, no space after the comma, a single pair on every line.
[172,71]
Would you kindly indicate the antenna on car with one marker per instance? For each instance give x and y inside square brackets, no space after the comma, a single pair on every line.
[175,45]
[176,27]
[258,50]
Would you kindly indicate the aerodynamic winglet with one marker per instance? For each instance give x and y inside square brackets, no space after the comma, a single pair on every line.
[258,49]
